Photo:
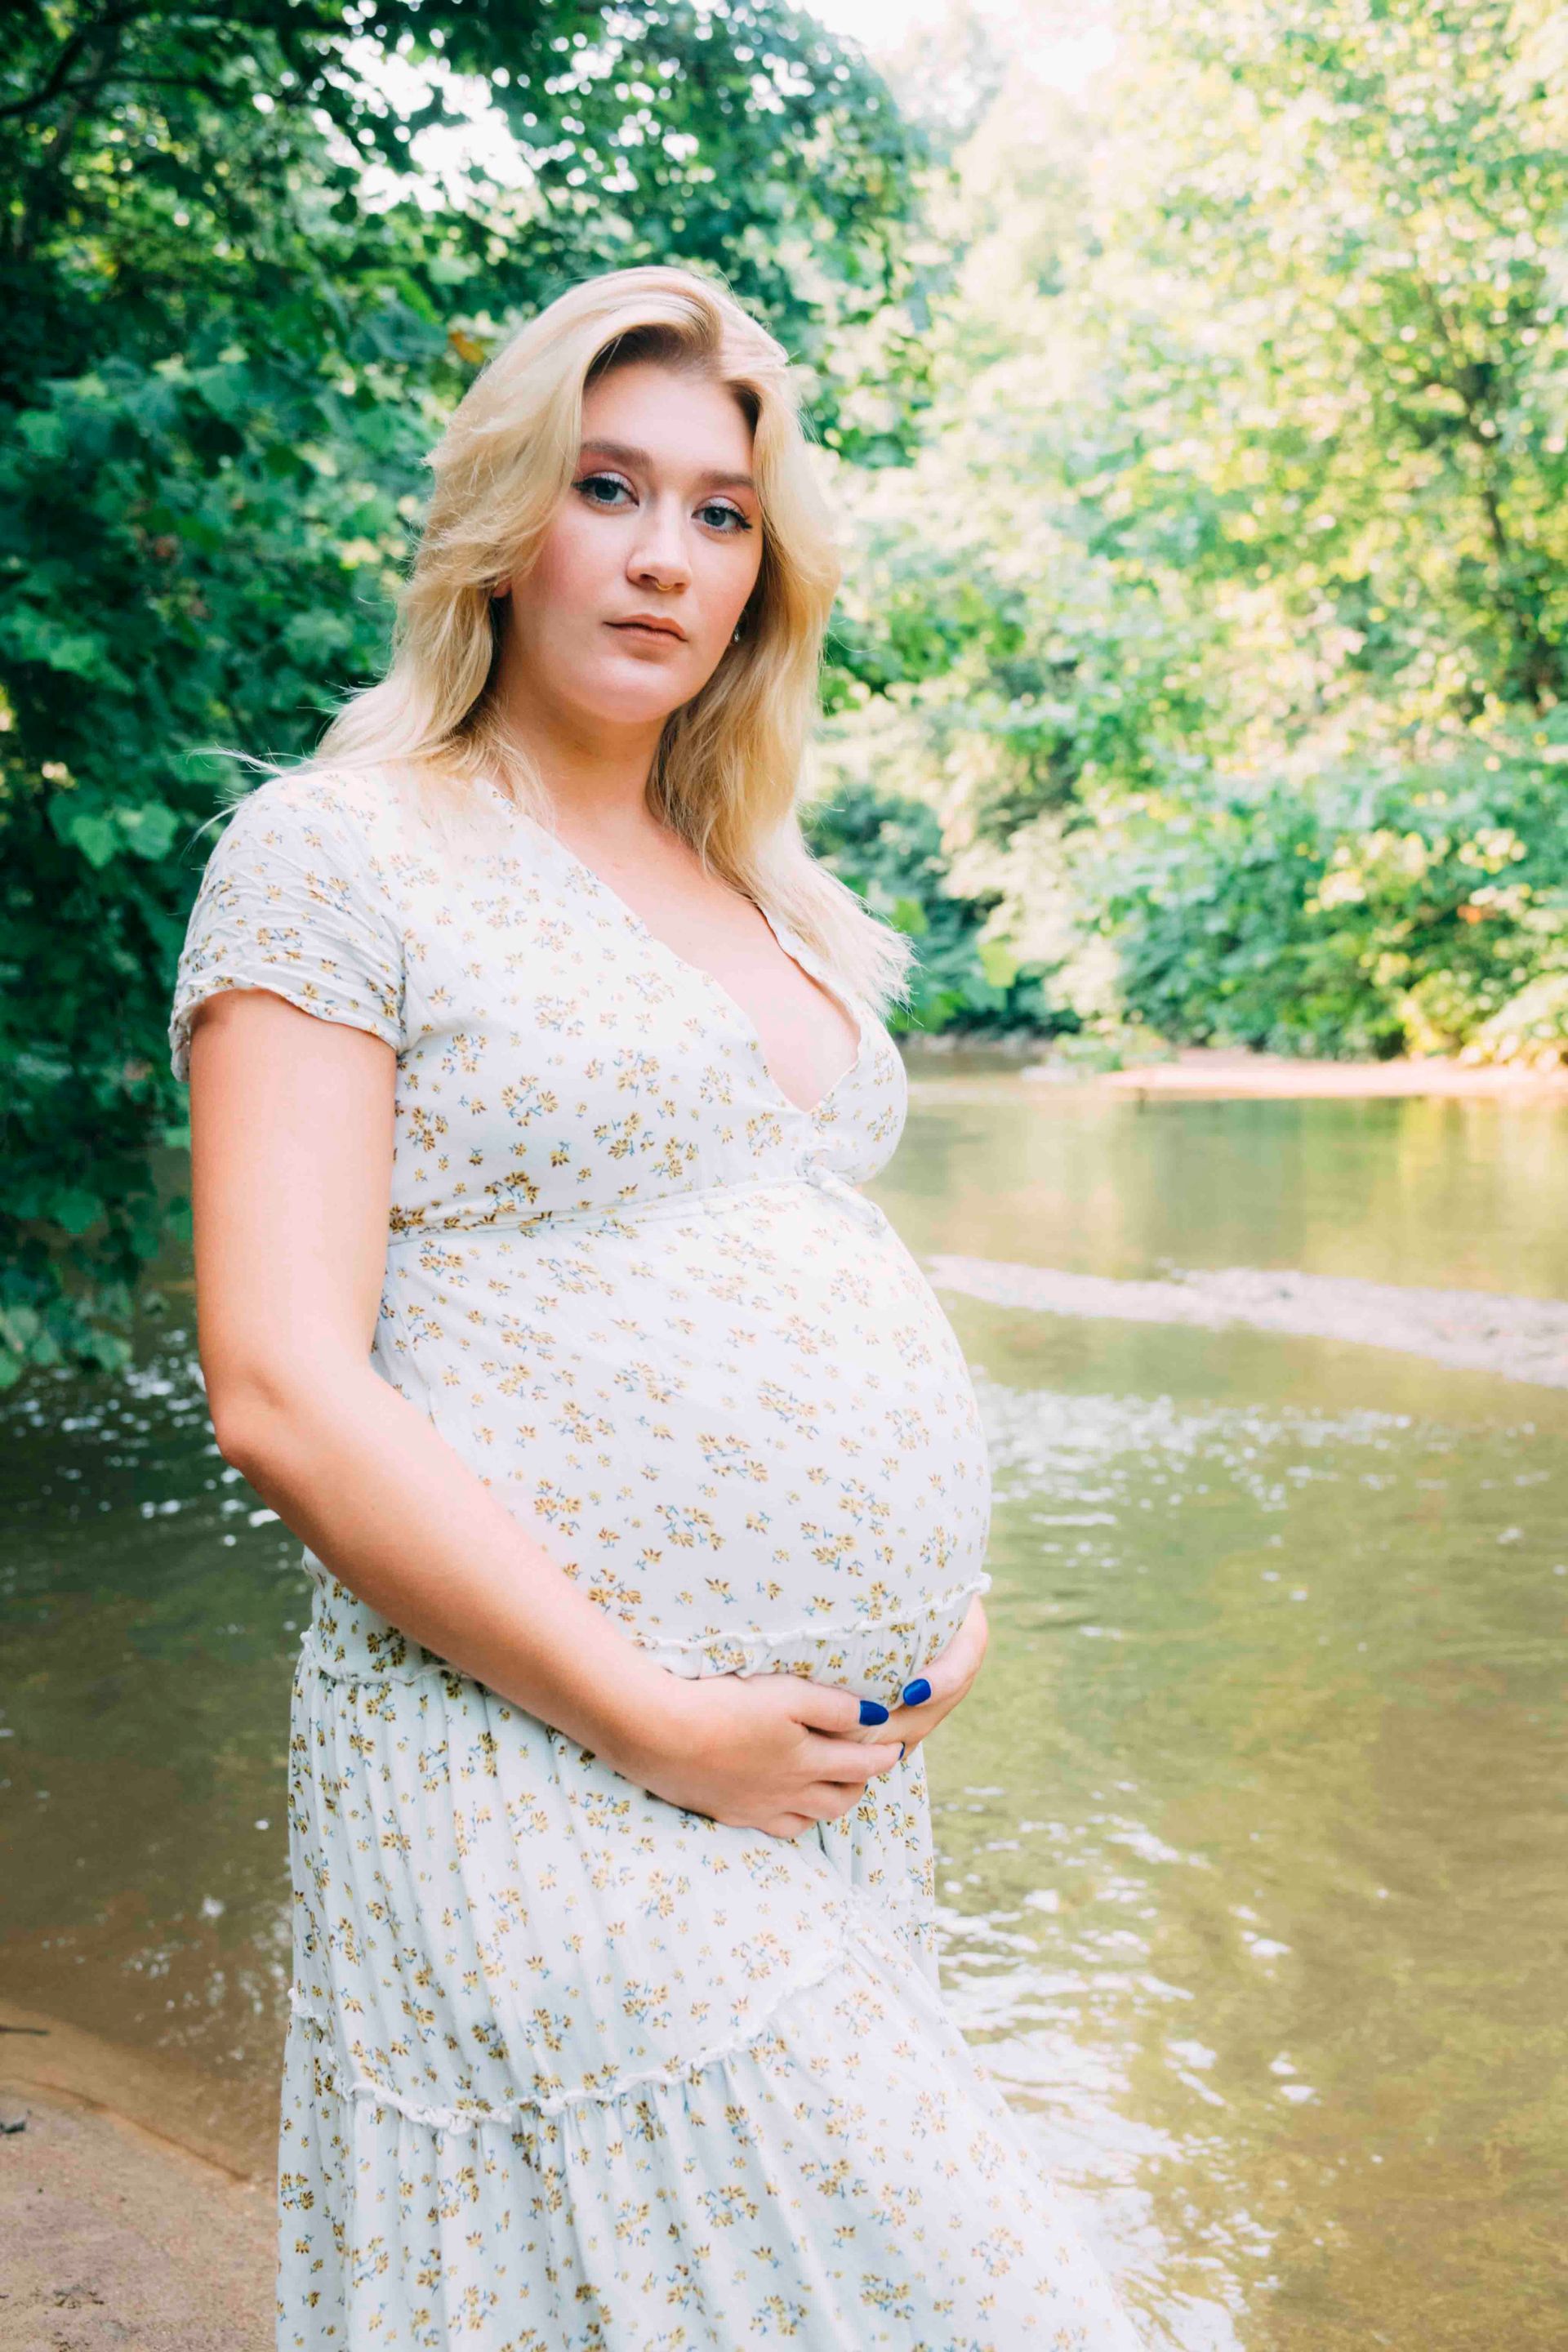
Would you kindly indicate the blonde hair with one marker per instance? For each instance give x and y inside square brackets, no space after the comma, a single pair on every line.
[728,771]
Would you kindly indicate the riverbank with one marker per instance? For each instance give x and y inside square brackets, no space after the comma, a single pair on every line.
[1219,1072]
[123,2221]
[1222,1071]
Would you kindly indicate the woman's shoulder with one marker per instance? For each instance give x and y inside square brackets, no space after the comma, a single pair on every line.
[353,806]
[393,820]
[355,830]
[294,899]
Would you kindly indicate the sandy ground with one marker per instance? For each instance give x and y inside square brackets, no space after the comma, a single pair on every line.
[118,2232]
[1208,1070]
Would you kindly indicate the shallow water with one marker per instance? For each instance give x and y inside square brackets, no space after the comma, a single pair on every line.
[1252,1859]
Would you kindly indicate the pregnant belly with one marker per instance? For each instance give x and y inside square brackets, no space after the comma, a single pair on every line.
[745,1429]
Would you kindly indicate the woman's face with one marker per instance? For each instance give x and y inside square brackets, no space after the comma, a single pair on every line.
[662,524]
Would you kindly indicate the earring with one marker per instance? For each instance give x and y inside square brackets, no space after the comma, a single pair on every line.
[735,635]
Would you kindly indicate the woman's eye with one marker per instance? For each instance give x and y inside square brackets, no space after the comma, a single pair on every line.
[716,512]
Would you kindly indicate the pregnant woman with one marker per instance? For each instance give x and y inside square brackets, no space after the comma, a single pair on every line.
[534,1065]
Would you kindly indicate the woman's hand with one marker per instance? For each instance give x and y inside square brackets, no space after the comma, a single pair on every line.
[769,1752]
[774,1752]
[948,1679]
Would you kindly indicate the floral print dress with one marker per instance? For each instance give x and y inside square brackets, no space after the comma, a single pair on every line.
[569,2068]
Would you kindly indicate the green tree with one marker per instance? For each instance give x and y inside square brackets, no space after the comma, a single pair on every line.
[1244,474]
[1351,228]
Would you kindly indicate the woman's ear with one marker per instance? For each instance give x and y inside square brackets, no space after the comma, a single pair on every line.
[501,588]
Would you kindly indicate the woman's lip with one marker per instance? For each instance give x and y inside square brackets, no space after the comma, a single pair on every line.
[641,629]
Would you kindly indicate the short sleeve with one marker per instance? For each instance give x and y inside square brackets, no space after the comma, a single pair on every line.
[290,901]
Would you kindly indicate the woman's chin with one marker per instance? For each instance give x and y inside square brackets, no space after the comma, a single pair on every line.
[635,693]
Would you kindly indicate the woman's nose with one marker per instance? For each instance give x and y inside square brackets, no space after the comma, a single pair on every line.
[660,556]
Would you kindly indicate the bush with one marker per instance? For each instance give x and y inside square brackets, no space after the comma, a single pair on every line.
[889,850]
[1363,916]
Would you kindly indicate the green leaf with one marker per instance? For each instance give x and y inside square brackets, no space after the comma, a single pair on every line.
[98,838]
[75,1211]
[150,828]
[997,961]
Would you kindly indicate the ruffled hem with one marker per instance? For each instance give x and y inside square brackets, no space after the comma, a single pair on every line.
[845,2177]
[471,2114]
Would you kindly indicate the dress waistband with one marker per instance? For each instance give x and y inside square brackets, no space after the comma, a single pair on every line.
[705,1200]
[873,1654]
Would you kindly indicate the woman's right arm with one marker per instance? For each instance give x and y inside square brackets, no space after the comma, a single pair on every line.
[291,1154]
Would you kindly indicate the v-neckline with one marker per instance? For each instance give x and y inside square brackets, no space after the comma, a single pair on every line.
[791,944]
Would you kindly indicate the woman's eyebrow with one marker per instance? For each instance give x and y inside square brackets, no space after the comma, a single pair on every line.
[624,455]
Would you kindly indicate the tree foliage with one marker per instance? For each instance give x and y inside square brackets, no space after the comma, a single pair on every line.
[1240,518]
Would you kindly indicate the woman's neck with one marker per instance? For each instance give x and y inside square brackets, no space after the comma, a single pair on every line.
[594,772]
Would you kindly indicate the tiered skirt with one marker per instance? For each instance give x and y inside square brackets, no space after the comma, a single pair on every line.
[570,2069]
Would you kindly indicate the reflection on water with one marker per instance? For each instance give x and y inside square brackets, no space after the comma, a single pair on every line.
[1285,1934]
[1251,1870]
[148,1603]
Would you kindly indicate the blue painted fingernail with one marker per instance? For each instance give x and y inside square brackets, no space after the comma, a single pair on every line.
[917,1691]
[873,1711]
[901,1745]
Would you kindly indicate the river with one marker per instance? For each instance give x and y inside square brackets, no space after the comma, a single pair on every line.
[1252,1862]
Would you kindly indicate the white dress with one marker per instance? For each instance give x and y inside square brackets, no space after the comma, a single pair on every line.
[570,2069]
